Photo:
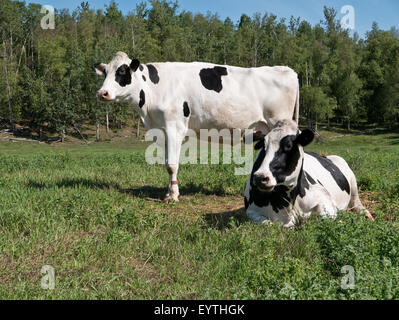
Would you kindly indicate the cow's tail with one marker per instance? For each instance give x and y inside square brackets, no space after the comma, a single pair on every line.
[297,105]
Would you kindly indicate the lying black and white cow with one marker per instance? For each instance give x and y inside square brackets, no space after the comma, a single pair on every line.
[287,184]
[176,97]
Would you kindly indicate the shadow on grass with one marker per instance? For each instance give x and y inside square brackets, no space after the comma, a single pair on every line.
[73,183]
[143,192]
[186,190]
[226,220]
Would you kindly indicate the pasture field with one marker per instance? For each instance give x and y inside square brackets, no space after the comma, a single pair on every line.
[94,214]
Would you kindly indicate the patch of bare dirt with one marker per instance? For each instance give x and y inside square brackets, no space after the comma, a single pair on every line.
[369,201]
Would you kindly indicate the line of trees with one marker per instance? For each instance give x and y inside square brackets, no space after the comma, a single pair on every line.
[46,77]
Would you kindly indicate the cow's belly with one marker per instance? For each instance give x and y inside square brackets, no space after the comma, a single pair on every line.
[225,115]
[234,114]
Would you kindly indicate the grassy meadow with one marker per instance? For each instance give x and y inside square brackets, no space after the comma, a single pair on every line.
[94,214]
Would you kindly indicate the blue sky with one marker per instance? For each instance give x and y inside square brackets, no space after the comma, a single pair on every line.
[385,12]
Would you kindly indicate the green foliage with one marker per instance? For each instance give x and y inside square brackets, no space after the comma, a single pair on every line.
[341,76]
[316,103]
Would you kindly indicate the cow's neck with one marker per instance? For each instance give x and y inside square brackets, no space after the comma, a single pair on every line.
[279,199]
[301,185]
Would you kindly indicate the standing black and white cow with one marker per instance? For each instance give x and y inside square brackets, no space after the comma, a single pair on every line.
[176,97]
[287,184]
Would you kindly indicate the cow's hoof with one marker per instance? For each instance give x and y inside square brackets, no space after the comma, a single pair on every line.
[170,199]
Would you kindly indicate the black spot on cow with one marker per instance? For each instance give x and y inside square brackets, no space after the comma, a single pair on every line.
[153,72]
[212,78]
[142,99]
[278,199]
[246,203]
[134,65]
[309,178]
[144,78]
[141,67]
[123,76]
[302,185]
[186,110]
[335,172]
[285,159]
[258,162]
[260,139]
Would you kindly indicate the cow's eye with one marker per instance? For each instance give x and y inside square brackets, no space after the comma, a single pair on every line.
[288,146]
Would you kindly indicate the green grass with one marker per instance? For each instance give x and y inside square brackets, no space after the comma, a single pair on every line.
[93,213]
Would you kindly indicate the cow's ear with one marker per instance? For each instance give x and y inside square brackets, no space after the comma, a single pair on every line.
[305,138]
[260,139]
[99,68]
[257,137]
[134,65]
[260,145]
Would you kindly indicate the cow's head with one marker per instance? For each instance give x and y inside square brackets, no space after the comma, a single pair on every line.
[280,160]
[121,78]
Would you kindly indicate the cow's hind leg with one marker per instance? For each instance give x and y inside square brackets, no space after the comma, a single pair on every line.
[174,140]
[319,203]
[355,203]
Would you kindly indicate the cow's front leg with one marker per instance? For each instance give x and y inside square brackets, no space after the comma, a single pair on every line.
[173,193]
[174,140]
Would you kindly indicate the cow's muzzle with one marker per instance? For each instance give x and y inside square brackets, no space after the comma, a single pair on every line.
[103,95]
[263,183]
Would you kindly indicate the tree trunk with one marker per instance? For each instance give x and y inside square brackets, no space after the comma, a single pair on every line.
[81,135]
[107,120]
[255,51]
[349,124]
[10,110]
[63,135]
[309,120]
[97,132]
[133,41]
[224,54]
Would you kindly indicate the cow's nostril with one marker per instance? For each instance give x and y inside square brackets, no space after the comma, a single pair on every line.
[262,179]
[105,94]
